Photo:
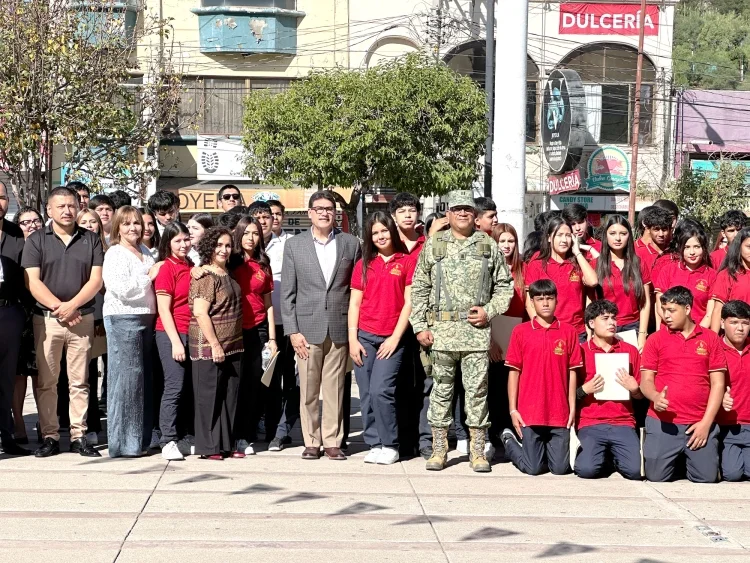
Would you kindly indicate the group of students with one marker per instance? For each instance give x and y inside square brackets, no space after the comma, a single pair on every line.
[686,376]
[208,296]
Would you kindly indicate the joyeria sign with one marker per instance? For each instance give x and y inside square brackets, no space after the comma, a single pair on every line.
[607,19]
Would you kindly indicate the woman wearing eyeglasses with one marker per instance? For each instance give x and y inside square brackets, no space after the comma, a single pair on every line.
[29,220]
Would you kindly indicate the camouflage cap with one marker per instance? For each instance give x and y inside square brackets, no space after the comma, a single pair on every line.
[460,198]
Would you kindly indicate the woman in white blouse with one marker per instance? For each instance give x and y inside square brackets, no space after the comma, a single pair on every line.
[129,311]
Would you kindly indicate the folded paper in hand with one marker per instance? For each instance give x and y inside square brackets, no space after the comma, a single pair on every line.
[268,374]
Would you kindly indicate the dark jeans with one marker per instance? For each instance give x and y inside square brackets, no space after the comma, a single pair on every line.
[543,447]
[376,380]
[282,406]
[216,388]
[252,393]
[602,442]
[665,449]
[176,406]
[735,452]
[129,391]
[11,326]
[409,396]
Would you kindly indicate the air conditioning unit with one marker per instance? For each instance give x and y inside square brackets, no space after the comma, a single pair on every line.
[220,158]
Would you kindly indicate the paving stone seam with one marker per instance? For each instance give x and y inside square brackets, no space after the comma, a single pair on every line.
[424,513]
[691,519]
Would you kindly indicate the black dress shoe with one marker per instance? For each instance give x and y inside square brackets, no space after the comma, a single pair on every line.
[11,447]
[81,446]
[22,440]
[49,447]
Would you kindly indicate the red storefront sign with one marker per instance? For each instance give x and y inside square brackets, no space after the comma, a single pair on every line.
[607,19]
[568,182]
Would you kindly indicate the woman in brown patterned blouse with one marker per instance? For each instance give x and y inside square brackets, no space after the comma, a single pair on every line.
[215,339]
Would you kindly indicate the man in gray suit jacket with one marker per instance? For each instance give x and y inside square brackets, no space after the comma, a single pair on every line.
[315,292]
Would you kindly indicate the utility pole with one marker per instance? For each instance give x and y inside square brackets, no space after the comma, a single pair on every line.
[489,87]
[509,133]
[636,118]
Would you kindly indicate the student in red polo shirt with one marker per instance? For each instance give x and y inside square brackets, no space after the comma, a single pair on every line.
[543,356]
[656,225]
[172,286]
[622,280]
[405,209]
[691,269]
[607,427]
[576,216]
[561,260]
[254,276]
[731,223]
[683,377]
[379,310]
[733,281]
[734,418]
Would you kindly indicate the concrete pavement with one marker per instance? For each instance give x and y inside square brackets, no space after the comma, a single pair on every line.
[275,507]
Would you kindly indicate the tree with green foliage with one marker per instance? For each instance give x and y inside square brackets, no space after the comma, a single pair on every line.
[711,47]
[64,73]
[706,196]
[411,124]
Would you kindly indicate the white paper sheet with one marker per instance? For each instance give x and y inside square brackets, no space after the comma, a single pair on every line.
[629,336]
[607,366]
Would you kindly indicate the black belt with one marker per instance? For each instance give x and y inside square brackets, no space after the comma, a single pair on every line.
[48,314]
[8,302]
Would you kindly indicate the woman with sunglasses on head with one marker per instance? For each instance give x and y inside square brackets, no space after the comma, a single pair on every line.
[690,267]
[560,259]
[379,309]
[623,279]
[29,220]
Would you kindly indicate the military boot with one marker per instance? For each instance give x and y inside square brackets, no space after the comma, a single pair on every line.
[477,460]
[439,450]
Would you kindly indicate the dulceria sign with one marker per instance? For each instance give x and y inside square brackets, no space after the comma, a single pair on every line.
[607,19]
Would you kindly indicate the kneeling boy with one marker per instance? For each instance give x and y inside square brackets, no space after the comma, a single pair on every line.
[543,355]
[606,429]
[682,374]
[734,418]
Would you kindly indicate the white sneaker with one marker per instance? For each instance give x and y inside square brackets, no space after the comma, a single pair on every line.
[387,456]
[245,446]
[171,452]
[489,451]
[373,455]
[92,438]
[462,446]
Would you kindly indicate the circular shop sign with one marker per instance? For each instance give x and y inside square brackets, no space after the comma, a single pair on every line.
[563,120]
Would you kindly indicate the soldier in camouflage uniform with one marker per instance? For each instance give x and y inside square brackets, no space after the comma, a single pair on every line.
[460,283]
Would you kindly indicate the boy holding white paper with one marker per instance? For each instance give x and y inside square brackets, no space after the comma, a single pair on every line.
[543,355]
[606,422]
[682,374]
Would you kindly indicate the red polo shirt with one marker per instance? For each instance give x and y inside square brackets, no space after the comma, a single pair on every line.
[174,280]
[417,248]
[616,413]
[738,378]
[254,283]
[700,282]
[727,288]
[570,289]
[661,262]
[717,257]
[544,357]
[517,307]
[628,308]
[682,364]
[383,296]
[648,253]
[595,244]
